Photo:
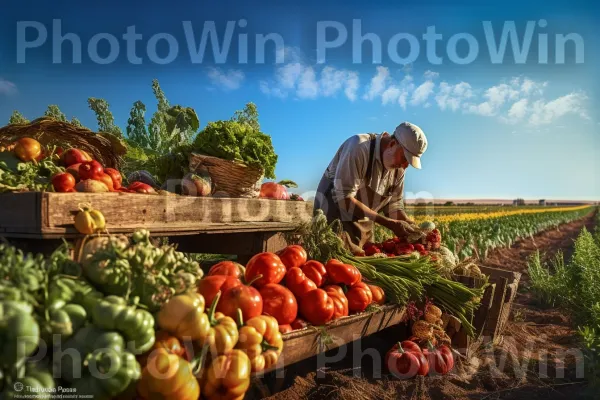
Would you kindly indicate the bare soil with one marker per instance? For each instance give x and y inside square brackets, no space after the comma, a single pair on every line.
[537,358]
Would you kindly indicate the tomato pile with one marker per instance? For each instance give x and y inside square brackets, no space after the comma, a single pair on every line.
[83,174]
[400,246]
[289,287]
[25,165]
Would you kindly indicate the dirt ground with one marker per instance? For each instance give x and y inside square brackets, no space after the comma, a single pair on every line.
[537,357]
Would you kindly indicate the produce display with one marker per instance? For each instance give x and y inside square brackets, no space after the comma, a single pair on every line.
[28,166]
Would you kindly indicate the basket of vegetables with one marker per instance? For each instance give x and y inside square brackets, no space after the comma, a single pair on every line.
[236,156]
[103,147]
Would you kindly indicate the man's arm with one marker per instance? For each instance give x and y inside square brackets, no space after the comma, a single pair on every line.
[401,215]
[360,210]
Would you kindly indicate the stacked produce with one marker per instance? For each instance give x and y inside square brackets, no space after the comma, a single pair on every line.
[404,277]
[290,288]
[27,166]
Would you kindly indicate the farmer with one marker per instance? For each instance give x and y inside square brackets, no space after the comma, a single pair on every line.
[366,178]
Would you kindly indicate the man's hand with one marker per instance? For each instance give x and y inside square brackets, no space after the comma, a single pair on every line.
[403,228]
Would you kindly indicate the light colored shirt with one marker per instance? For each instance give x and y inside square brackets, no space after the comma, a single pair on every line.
[348,169]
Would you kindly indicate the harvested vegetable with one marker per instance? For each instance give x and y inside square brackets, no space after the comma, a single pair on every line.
[279,302]
[298,282]
[183,316]
[315,271]
[261,340]
[406,360]
[230,268]
[244,297]
[88,220]
[359,297]
[232,140]
[441,360]
[28,149]
[340,301]
[316,307]
[209,286]
[223,332]
[227,376]
[293,256]
[268,265]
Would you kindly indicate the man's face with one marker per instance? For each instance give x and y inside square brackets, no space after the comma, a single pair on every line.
[399,159]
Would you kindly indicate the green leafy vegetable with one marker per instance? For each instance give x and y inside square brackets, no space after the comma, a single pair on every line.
[232,140]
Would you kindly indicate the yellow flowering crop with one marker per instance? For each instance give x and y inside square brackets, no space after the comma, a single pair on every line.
[495,214]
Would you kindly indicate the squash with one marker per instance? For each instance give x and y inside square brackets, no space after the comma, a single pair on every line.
[427,226]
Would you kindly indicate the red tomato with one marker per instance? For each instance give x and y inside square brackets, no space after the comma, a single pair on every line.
[209,286]
[28,149]
[273,190]
[63,182]
[116,177]
[279,303]
[268,265]
[246,298]
[141,187]
[315,271]
[74,156]
[340,302]
[293,256]
[359,297]
[298,283]
[378,294]
[338,272]
[406,360]
[90,170]
[316,307]
[229,268]
[285,329]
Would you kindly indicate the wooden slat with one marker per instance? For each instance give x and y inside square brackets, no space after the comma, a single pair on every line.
[124,210]
[300,345]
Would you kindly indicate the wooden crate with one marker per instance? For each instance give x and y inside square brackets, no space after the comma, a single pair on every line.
[302,344]
[40,215]
[461,342]
[491,317]
[507,284]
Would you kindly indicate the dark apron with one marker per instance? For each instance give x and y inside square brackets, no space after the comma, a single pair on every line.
[356,232]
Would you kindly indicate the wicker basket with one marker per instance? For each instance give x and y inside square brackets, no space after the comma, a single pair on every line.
[103,147]
[229,178]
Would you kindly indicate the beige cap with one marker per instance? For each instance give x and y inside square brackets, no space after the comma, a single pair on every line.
[413,140]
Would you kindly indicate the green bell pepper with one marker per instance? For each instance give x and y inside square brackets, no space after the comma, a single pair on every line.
[104,370]
[19,334]
[136,325]
[65,319]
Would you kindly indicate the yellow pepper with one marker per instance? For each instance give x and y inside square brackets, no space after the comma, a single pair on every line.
[261,340]
[183,316]
[227,377]
[168,377]
[223,333]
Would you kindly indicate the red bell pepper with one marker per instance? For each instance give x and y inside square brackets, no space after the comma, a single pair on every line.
[406,360]
[440,358]
[359,297]
[298,282]
[315,271]
[340,302]
[339,272]
[316,307]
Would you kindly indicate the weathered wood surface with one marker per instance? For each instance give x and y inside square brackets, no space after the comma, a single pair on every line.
[302,344]
[507,283]
[49,215]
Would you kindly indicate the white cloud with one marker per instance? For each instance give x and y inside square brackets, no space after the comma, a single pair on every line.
[453,96]
[302,80]
[7,88]
[307,84]
[518,110]
[544,113]
[422,93]
[230,80]
[430,75]
[378,83]
[390,95]
[484,109]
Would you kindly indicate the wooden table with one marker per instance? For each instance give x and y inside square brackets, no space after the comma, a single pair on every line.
[235,226]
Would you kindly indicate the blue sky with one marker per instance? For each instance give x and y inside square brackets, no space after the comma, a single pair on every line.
[495,130]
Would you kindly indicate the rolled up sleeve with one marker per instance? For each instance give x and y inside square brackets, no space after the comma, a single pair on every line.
[396,202]
[350,172]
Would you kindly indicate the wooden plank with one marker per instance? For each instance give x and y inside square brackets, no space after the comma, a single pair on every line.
[123,210]
[69,232]
[20,210]
[497,321]
[302,344]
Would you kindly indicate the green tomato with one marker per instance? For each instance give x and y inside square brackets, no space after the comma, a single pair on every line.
[19,336]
